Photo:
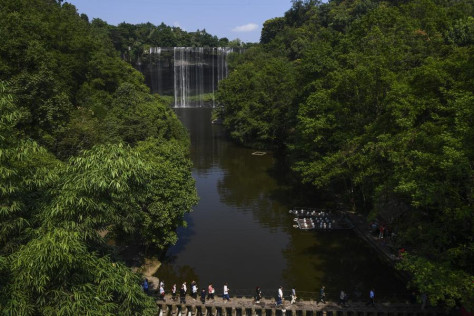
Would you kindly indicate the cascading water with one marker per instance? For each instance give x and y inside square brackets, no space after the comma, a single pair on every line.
[157,74]
[189,74]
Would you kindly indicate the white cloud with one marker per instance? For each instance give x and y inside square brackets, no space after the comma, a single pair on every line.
[245,28]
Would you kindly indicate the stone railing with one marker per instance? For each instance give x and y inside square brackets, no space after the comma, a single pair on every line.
[248,307]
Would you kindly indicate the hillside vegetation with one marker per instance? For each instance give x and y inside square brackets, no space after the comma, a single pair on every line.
[84,148]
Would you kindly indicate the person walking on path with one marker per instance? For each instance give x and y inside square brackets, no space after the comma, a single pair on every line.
[371,298]
[280,296]
[226,296]
[258,294]
[293,296]
[185,287]
[173,292]
[322,295]
[162,291]
[381,231]
[194,290]
[210,292]
[203,295]
[342,298]
[145,285]
[424,299]
[182,293]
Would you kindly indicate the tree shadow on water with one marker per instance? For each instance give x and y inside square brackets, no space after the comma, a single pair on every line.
[185,235]
[291,191]
[339,260]
[170,274]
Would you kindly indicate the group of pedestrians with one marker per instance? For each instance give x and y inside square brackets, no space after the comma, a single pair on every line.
[209,294]
[343,297]
[279,298]
[183,291]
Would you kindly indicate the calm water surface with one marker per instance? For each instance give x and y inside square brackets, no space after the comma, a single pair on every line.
[241,232]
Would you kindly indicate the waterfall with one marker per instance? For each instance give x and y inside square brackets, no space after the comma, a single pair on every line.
[214,50]
[190,74]
[156,69]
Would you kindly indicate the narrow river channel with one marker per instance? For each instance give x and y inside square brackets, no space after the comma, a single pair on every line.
[241,231]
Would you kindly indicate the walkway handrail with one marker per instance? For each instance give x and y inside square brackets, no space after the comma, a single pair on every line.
[271,294]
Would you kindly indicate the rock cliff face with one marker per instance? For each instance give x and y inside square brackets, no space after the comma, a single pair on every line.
[189,74]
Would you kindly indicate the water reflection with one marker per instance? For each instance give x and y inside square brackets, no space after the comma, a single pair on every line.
[185,273]
[206,139]
[241,232]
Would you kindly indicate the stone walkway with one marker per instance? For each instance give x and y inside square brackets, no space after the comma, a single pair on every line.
[245,303]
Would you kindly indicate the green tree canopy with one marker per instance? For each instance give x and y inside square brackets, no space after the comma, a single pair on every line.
[379,114]
[84,149]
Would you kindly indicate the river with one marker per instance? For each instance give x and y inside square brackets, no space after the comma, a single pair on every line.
[241,232]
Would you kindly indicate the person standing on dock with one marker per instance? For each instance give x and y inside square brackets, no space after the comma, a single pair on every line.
[226,296]
[322,295]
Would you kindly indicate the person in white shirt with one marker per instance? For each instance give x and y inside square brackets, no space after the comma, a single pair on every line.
[173,292]
[162,291]
[280,296]
[194,290]
[182,294]
[293,296]
[226,293]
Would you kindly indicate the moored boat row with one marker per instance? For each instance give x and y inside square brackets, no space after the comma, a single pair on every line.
[313,219]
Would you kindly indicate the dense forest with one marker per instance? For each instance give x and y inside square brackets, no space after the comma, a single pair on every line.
[133,41]
[372,102]
[85,152]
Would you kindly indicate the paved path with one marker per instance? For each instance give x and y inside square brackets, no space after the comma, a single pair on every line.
[384,247]
[245,304]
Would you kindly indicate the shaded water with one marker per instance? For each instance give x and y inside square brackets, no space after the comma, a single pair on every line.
[241,232]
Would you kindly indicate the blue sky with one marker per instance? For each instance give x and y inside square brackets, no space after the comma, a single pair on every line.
[233,19]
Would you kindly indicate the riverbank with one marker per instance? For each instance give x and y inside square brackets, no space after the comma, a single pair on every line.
[383,246]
